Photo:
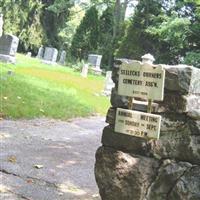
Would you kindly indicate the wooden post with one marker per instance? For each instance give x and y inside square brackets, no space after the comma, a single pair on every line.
[149,107]
[130,103]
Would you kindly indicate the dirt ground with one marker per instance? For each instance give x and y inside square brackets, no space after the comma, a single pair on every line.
[45,159]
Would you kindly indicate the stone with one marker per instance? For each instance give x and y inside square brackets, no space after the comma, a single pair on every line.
[1,24]
[124,142]
[62,58]
[169,166]
[179,103]
[179,139]
[194,113]
[187,186]
[40,53]
[95,61]
[117,100]
[182,79]
[109,84]
[130,178]
[169,173]
[50,55]
[84,71]
[8,48]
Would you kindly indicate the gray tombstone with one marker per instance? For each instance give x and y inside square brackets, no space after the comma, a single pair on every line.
[62,57]
[95,61]
[8,48]
[40,53]
[50,55]
[109,84]
[1,24]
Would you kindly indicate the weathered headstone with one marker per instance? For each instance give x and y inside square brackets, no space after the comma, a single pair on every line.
[84,71]
[8,48]
[62,58]
[95,61]
[40,53]
[136,168]
[29,54]
[109,84]
[50,55]
[1,24]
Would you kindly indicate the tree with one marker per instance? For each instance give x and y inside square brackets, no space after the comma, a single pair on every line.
[22,18]
[105,36]
[137,41]
[85,39]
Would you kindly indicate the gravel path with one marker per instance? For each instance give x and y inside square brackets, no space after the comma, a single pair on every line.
[45,159]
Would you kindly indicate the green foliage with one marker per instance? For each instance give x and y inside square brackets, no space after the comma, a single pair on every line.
[85,39]
[23,19]
[136,41]
[192,58]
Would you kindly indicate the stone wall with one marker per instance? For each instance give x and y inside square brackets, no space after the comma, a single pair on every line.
[133,168]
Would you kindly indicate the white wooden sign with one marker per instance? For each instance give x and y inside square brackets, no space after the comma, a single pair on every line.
[141,80]
[137,123]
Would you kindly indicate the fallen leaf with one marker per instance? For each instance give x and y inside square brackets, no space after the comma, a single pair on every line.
[12,159]
[30,181]
[38,166]
[4,135]
[95,195]
[3,189]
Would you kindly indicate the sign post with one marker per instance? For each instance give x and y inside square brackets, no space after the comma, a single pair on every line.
[144,81]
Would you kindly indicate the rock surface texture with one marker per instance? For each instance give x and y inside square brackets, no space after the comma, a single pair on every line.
[133,168]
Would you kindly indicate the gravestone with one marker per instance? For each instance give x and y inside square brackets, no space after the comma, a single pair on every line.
[95,61]
[50,55]
[8,48]
[40,53]
[62,58]
[109,84]
[1,24]
[29,54]
[133,167]
[84,71]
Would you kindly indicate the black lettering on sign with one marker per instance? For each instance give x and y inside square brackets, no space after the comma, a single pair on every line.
[132,82]
[132,123]
[124,114]
[149,118]
[151,127]
[152,75]
[151,84]
[130,72]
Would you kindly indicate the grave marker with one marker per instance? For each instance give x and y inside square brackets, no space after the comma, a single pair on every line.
[8,48]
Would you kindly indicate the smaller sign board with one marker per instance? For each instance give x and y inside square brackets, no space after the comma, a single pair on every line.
[141,80]
[137,123]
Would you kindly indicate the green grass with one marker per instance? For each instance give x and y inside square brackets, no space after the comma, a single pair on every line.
[37,90]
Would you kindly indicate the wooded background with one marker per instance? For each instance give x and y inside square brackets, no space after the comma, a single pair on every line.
[168,29]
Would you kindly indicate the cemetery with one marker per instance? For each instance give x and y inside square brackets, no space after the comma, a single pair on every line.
[99,100]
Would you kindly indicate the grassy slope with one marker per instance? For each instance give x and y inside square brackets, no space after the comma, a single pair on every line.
[37,89]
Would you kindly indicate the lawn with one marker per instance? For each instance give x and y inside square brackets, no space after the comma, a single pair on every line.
[31,89]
